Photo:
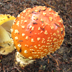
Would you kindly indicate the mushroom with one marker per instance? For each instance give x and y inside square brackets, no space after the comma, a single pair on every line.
[37,32]
[6,42]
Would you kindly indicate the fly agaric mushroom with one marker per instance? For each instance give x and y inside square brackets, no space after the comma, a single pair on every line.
[37,32]
[6,42]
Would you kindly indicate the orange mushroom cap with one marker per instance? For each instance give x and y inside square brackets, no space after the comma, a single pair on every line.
[37,32]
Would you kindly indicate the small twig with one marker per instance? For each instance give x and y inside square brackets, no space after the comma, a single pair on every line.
[16,68]
[47,4]
[56,60]
[48,61]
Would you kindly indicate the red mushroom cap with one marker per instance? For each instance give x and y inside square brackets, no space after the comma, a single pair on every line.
[37,32]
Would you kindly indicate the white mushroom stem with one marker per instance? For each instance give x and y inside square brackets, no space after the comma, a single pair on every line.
[22,60]
[6,43]
[7,25]
[3,35]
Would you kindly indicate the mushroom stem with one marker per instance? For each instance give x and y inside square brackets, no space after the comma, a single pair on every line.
[3,35]
[22,60]
[6,43]
[7,25]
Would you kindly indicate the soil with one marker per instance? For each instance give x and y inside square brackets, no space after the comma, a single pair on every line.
[59,61]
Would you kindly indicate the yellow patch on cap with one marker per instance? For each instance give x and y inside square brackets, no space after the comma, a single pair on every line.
[5,17]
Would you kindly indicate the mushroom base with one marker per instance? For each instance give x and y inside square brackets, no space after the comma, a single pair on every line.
[22,61]
[6,47]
